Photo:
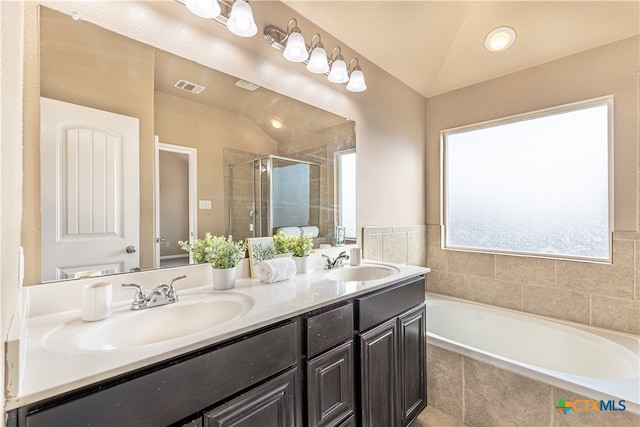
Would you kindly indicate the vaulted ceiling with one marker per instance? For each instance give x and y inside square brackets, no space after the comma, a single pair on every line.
[437,46]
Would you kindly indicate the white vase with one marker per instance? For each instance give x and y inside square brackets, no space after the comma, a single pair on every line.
[224,278]
[302,264]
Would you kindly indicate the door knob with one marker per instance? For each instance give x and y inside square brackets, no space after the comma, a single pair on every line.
[131,249]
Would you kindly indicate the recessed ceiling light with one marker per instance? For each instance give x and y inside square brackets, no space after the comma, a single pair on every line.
[500,39]
[277,123]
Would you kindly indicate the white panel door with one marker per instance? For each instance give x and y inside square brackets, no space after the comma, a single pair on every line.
[89,191]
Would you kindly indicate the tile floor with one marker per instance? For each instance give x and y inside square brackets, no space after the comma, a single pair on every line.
[432,417]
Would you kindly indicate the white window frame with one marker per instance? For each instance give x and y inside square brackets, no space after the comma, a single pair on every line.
[339,211]
[605,100]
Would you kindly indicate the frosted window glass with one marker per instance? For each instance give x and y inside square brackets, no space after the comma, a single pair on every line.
[536,185]
[347,192]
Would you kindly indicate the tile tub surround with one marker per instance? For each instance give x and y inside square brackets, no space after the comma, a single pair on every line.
[605,296]
[480,394]
[402,244]
[55,304]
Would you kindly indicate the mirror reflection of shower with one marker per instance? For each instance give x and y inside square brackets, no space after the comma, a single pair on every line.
[273,192]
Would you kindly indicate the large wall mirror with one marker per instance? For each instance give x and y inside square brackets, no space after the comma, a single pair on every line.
[232,158]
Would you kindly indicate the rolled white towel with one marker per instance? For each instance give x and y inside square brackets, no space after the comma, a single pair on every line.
[310,229]
[289,231]
[276,270]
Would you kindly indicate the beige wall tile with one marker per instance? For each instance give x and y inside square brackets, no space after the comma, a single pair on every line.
[615,280]
[394,247]
[436,257]
[615,313]
[534,271]
[445,381]
[417,247]
[495,397]
[591,418]
[495,292]
[403,228]
[441,282]
[372,246]
[369,229]
[558,303]
[475,264]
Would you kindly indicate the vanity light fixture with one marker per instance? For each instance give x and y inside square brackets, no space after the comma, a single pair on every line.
[335,67]
[338,73]
[203,8]
[239,18]
[356,78]
[318,62]
[241,22]
[296,49]
[499,39]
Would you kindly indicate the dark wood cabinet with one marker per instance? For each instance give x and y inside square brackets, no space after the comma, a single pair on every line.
[412,368]
[392,355]
[330,366]
[379,376]
[330,392]
[271,404]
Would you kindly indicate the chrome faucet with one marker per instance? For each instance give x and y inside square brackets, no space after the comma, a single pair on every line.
[160,295]
[335,262]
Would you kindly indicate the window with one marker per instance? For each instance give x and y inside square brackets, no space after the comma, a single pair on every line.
[538,184]
[346,192]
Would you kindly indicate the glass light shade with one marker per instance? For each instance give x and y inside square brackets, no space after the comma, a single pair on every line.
[318,62]
[204,8]
[338,73]
[356,82]
[241,22]
[296,50]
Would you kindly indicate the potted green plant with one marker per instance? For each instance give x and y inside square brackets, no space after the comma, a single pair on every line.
[223,253]
[299,246]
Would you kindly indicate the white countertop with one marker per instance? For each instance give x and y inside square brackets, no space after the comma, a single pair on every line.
[46,371]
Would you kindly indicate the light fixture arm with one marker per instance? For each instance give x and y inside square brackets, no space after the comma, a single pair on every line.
[337,57]
[317,44]
[355,67]
[291,29]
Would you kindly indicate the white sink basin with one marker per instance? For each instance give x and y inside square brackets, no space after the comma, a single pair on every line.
[131,329]
[362,273]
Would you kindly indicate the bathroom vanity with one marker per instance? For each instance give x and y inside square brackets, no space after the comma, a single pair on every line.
[310,351]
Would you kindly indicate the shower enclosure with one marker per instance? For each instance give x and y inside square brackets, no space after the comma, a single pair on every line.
[273,192]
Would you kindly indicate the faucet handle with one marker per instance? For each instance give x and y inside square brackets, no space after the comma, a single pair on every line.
[139,296]
[172,289]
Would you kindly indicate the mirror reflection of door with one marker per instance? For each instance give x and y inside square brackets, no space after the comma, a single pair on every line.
[89,191]
[175,202]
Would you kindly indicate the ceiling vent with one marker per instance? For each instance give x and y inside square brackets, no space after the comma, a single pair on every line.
[247,85]
[188,86]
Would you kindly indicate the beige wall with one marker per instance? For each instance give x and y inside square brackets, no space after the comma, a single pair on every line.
[602,295]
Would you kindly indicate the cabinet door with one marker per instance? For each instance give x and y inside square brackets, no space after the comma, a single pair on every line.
[271,404]
[330,394]
[413,392]
[379,376]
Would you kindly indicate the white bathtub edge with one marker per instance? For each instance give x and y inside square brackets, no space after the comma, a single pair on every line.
[598,389]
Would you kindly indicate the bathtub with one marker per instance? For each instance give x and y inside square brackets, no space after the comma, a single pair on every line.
[597,363]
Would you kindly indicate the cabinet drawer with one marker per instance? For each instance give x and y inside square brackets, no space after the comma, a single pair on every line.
[327,329]
[380,306]
[169,394]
